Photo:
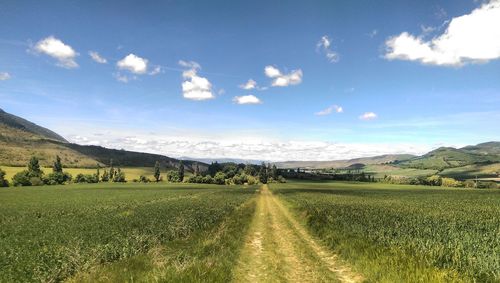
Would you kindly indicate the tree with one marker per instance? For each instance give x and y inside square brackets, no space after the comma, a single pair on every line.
[111,170]
[57,168]
[197,169]
[181,171]
[219,178]
[173,176]
[157,171]
[21,179]
[119,176]
[3,181]
[98,173]
[105,176]
[263,174]
[274,172]
[34,168]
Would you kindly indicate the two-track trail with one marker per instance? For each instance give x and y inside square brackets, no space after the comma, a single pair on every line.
[279,249]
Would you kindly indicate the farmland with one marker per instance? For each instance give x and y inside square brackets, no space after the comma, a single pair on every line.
[403,233]
[90,231]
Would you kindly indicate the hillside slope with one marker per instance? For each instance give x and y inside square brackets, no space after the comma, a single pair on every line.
[16,122]
[21,139]
[388,158]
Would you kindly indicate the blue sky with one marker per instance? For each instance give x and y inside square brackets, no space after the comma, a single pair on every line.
[333,79]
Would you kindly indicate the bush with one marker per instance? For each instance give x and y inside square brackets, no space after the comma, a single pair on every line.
[36,181]
[3,181]
[119,176]
[144,179]
[173,176]
[433,180]
[450,182]
[220,178]
[21,179]
[57,178]
[86,178]
[207,180]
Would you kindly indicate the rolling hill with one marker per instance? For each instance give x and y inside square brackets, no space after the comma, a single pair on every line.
[20,139]
[381,159]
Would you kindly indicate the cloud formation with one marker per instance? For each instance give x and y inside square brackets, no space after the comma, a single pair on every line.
[368,116]
[323,45]
[4,76]
[250,84]
[471,38]
[280,79]
[97,58]
[157,70]
[247,99]
[329,110]
[195,87]
[133,64]
[55,48]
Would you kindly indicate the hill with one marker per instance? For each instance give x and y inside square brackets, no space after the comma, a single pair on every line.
[20,139]
[381,159]
[16,122]
[448,157]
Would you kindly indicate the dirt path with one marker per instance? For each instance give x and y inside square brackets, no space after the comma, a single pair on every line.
[279,249]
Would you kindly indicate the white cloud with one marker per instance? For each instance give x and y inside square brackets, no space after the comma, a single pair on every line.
[134,64]
[280,79]
[123,78]
[323,45]
[368,116]
[195,87]
[55,48]
[156,71]
[329,110]
[4,76]
[247,99]
[373,33]
[250,84]
[97,58]
[471,38]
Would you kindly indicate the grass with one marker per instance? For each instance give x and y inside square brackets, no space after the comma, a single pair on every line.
[471,171]
[380,171]
[392,233]
[179,232]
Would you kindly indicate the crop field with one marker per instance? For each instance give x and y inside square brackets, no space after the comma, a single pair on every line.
[380,171]
[394,233]
[122,232]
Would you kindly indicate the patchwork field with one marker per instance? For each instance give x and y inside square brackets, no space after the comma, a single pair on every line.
[396,233]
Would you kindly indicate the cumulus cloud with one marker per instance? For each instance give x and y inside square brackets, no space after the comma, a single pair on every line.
[280,79]
[133,64]
[471,38]
[97,58]
[55,48]
[368,116]
[323,45]
[195,87]
[250,84]
[330,110]
[247,99]
[4,76]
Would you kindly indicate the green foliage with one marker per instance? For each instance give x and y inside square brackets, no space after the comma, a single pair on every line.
[34,169]
[219,178]
[173,176]
[52,233]
[105,176]
[144,179]
[57,178]
[57,167]
[263,175]
[86,178]
[157,171]
[3,181]
[181,171]
[21,179]
[404,234]
[119,176]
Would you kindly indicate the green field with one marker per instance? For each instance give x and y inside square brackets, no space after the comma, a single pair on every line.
[171,233]
[198,233]
[395,233]
[379,171]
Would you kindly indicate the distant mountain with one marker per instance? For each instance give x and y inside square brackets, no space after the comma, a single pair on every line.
[225,160]
[381,159]
[20,139]
[483,148]
[16,122]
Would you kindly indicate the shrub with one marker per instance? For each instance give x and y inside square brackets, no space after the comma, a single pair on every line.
[57,178]
[144,179]
[3,181]
[36,181]
[207,179]
[173,176]
[86,178]
[433,180]
[220,178]
[21,179]
[450,182]
[119,176]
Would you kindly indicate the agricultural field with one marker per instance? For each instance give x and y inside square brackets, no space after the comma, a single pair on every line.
[122,232]
[381,170]
[131,173]
[473,171]
[394,233]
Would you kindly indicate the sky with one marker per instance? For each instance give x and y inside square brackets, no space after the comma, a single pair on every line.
[264,80]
